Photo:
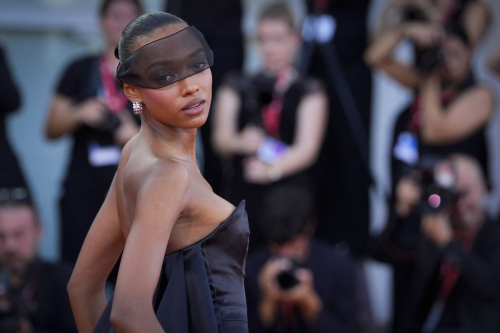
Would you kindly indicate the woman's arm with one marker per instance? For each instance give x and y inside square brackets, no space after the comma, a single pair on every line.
[476,20]
[99,253]
[393,14]
[160,200]
[469,112]
[312,118]
[226,139]
[380,53]
[64,117]
[311,125]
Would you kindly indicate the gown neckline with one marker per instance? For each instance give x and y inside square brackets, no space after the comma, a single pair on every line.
[230,217]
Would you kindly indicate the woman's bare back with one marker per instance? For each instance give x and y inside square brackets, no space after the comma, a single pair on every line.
[203,212]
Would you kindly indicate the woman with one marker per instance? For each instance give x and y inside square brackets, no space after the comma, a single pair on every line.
[450,111]
[90,107]
[270,125]
[181,268]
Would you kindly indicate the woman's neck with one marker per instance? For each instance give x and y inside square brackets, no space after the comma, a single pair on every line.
[177,142]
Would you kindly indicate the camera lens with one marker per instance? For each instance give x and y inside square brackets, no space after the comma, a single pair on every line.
[287,279]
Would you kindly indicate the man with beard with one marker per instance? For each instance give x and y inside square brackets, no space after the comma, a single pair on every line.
[451,255]
[33,295]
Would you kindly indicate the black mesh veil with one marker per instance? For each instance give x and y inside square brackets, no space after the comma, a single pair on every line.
[167,60]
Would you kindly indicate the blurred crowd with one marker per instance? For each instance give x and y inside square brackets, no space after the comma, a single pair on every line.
[293,140]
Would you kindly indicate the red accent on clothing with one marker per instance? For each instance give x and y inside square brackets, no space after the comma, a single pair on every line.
[114,98]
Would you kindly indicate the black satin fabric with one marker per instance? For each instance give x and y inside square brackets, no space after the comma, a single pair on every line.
[201,286]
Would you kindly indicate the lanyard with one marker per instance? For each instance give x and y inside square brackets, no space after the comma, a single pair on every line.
[448,274]
[271,113]
[114,98]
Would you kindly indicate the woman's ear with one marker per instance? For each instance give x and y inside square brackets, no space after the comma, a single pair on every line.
[132,93]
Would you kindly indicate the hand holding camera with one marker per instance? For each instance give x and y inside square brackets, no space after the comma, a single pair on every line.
[408,195]
[437,228]
[250,139]
[283,281]
[91,112]
[424,34]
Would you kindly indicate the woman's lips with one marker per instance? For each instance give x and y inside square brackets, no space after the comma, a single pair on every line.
[194,107]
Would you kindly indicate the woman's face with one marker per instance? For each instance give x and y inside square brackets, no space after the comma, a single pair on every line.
[117,16]
[183,104]
[456,59]
[278,44]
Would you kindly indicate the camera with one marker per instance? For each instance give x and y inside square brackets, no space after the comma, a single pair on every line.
[427,59]
[287,279]
[436,178]
[258,92]
[110,123]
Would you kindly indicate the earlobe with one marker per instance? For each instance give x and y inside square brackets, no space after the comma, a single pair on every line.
[132,93]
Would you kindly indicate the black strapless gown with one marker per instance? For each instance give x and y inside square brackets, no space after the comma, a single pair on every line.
[201,287]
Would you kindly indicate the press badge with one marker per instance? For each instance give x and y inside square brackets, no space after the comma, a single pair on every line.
[406,148]
[100,156]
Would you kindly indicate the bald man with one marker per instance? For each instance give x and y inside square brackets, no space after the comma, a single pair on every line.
[453,268]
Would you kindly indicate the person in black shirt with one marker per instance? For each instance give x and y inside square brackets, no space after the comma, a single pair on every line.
[10,100]
[298,283]
[90,106]
[33,296]
[270,126]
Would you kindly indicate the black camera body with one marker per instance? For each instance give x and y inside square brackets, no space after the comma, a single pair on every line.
[258,91]
[426,59]
[436,178]
[110,123]
[287,279]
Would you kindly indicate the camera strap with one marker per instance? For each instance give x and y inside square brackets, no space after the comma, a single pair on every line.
[114,98]
[448,275]
[289,316]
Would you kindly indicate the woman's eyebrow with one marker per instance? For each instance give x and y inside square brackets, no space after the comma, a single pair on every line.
[158,63]
[196,52]
[168,62]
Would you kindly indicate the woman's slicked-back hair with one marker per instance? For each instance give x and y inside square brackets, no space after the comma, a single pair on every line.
[142,26]
[103,9]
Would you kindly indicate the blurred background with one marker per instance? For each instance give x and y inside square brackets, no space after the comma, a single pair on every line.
[40,38]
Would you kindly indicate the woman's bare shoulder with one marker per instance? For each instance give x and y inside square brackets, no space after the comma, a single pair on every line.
[481,92]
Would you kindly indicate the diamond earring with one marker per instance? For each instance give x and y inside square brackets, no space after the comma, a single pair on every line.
[137,107]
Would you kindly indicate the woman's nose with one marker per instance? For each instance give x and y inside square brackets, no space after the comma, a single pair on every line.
[189,86]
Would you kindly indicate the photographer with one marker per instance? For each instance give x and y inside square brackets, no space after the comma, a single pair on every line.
[447,258]
[33,295]
[90,106]
[270,126]
[297,284]
[473,15]
[451,110]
